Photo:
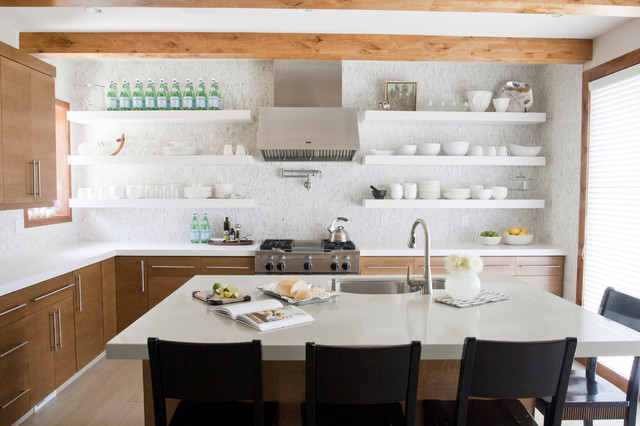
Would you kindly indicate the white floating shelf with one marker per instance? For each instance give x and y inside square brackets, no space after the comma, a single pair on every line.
[108,160]
[161,117]
[163,203]
[444,160]
[453,204]
[456,117]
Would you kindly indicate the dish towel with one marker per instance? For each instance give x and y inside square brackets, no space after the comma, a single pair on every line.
[485,296]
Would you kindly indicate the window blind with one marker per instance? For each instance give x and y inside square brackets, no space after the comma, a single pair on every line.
[612,229]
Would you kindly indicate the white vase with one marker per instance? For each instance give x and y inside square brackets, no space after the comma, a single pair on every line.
[462,285]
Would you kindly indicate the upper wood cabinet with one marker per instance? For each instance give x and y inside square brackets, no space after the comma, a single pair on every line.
[27,130]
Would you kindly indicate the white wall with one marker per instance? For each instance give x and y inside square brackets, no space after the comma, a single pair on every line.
[620,40]
[9,36]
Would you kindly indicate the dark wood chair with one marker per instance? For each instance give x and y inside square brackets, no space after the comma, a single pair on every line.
[591,397]
[504,371]
[361,385]
[212,380]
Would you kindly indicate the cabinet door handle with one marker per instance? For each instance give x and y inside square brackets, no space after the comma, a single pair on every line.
[15,308]
[59,329]
[539,266]
[14,399]
[497,266]
[142,269]
[227,267]
[55,332]
[39,181]
[33,162]
[14,349]
[173,267]
[80,292]
[389,267]
[53,292]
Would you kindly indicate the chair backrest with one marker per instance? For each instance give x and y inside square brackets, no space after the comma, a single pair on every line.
[510,370]
[205,372]
[625,310]
[362,375]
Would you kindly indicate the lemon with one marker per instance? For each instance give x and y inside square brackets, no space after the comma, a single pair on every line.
[523,230]
[514,231]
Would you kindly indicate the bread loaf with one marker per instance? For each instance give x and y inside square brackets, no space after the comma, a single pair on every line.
[289,286]
[308,293]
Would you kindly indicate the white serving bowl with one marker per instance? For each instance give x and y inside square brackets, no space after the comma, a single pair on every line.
[429,149]
[223,190]
[517,240]
[501,104]
[455,147]
[523,151]
[479,100]
[406,149]
[482,194]
[490,241]
[134,191]
[499,192]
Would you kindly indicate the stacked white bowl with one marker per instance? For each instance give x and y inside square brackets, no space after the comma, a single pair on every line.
[456,193]
[455,147]
[429,189]
[198,191]
[223,190]
[409,190]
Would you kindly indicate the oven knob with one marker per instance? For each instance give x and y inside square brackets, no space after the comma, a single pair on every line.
[281,266]
[307,265]
[346,266]
[268,266]
[335,266]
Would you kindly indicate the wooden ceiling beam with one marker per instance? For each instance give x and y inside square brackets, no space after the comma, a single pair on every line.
[378,47]
[630,8]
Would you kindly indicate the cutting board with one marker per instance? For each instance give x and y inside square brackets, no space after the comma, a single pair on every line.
[231,243]
[216,300]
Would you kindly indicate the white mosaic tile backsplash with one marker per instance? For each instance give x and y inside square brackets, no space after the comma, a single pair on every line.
[284,208]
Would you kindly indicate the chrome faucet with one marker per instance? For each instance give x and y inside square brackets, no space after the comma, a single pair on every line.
[425,283]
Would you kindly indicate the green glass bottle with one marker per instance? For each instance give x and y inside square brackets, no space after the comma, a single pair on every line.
[112,96]
[162,98]
[189,96]
[175,100]
[150,101]
[138,96]
[205,229]
[125,97]
[194,230]
[214,96]
[201,96]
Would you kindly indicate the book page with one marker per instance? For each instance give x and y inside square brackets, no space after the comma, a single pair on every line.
[234,309]
[269,319]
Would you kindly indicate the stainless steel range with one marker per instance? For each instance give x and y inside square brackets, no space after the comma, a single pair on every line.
[307,257]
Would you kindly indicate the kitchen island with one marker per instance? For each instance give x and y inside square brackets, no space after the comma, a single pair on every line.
[355,319]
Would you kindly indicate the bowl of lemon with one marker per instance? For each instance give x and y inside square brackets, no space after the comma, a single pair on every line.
[517,237]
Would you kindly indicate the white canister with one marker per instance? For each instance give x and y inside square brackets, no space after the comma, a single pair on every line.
[410,190]
[395,190]
[502,151]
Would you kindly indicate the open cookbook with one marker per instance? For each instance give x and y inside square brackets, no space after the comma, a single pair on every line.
[264,315]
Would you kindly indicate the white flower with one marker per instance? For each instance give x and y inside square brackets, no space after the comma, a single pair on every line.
[461,262]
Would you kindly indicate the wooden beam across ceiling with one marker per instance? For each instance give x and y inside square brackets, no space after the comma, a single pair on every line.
[377,47]
[630,8]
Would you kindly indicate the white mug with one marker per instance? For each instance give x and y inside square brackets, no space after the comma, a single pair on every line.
[490,151]
[410,190]
[241,150]
[475,151]
[502,151]
[227,150]
[396,191]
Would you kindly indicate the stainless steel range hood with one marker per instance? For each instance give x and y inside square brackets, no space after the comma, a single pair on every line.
[308,122]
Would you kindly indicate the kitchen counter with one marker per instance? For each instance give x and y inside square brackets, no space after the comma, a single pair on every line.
[354,319]
[23,271]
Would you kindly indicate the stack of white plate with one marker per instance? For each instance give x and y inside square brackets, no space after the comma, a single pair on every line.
[179,150]
[198,192]
[456,193]
[429,189]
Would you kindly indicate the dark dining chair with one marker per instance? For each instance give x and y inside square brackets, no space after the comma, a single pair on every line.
[214,381]
[361,385]
[590,397]
[504,371]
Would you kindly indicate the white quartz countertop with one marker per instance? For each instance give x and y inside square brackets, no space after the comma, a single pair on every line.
[355,319]
[22,271]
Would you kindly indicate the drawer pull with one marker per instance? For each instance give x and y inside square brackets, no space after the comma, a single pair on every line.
[53,292]
[227,267]
[497,266]
[142,273]
[173,267]
[14,399]
[13,309]
[14,349]
[39,181]
[80,292]
[59,328]
[540,266]
[389,267]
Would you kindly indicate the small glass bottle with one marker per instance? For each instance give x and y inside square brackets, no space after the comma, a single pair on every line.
[138,96]
[162,99]
[150,101]
[112,96]
[225,234]
[125,97]
[194,230]
[205,229]
[201,96]
[189,96]
[175,100]
[214,96]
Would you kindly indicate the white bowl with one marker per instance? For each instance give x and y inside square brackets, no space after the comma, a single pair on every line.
[482,194]
[479,100]
[499,192]
[523,151]
[490,241]
[429,149]
[501,104]
[517,240]
[381,152]
[116,192]
[134,191]
[406,149]
[223,190]
[455,147]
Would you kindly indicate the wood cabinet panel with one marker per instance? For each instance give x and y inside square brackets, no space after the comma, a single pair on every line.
[65,356]
[503,265]
[109,321]
[229,265]
[132,293]
[1,141]
[175,266]
[437,265]
[540,265]
[551,283]
[51,291]
[88,313]
[43,130]
[161,287]
[13,306]
[14,371]
[386,265]
[41,361]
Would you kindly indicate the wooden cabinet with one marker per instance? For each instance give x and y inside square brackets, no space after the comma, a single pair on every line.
[14,372]
[88,313]
[167,274]
[545,272]
[27,129]
[109,321]
[132,289]
[229,265]
[386,265]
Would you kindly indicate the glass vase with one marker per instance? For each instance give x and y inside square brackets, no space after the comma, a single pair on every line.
[462,285]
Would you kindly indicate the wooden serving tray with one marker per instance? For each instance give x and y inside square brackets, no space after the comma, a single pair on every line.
[216,300]
[231,243]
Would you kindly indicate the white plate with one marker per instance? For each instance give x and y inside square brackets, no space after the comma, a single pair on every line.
[455,197]
[381,152]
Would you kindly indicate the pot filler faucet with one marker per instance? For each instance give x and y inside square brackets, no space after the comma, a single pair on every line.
[425,283]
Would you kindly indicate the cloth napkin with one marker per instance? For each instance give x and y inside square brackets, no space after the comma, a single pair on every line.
[485,296]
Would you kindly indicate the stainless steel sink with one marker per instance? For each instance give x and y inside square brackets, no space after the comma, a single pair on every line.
[372,285]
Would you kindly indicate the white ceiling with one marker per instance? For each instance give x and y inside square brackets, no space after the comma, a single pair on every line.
[74,19]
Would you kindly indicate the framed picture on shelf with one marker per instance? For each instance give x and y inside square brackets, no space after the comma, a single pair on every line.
[401,95]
